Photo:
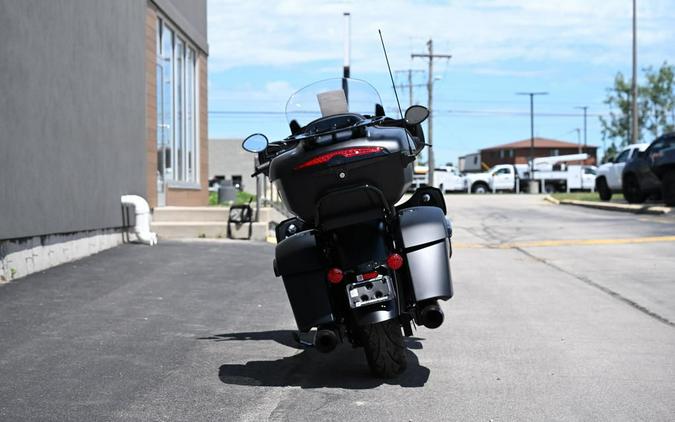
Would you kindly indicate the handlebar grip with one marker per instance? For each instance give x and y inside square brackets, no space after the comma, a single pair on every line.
[261,169]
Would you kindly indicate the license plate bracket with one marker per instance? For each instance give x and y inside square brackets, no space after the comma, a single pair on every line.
[369,292]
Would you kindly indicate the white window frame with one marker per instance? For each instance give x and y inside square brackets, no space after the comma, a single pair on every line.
[180,132]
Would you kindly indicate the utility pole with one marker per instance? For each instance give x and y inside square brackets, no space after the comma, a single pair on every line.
[430,88]
[585,109]
[634,116]
[532,94]
[409,85]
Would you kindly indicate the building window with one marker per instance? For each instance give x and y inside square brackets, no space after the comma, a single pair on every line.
[510,153]
[555,152]
[176,107]
[501,153]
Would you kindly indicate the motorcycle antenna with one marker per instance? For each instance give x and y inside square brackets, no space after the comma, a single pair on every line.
[390,74]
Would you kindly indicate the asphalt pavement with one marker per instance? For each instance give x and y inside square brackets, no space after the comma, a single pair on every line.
[560,313]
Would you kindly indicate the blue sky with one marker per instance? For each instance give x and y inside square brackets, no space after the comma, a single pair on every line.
[263,51]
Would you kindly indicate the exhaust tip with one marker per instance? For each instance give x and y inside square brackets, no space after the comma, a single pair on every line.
[325,340]
[432,316]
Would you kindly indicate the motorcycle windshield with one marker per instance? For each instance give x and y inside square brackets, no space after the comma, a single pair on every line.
[330,97]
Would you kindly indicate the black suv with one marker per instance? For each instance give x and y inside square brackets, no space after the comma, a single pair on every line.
[652,172]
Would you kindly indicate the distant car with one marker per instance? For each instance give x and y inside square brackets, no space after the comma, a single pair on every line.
[652,172]
[609,178]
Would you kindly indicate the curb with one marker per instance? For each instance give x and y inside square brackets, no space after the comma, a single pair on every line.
[549,198]
[609,206]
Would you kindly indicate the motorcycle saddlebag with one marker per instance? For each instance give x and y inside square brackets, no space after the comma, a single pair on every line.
[298,261]
[425,233]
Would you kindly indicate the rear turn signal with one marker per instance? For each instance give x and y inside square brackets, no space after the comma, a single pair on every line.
[335,275]
[394,261]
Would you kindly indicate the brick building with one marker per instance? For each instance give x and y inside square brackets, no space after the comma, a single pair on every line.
[519,152]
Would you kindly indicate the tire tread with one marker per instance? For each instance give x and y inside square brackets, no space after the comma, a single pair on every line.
[385,349]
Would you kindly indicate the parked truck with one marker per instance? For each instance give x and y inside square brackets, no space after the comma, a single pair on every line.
[446,178]
[512,177]
[652,172]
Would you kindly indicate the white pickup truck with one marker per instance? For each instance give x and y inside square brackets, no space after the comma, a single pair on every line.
[446,178]
[609,179]
[507,177]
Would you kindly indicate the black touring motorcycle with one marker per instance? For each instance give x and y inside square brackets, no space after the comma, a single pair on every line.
[355,265]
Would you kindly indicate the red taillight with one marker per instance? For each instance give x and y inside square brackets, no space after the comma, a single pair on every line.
[335,275]
[346,153]
[394,261]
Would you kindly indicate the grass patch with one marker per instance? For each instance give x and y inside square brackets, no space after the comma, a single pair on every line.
[242,198]
[586,196]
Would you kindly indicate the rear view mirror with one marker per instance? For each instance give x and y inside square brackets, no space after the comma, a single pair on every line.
[255,143]
[416,114]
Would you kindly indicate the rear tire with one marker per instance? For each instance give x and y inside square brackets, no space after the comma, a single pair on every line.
[384,348]
[480,187]
[549,188]
[603,189]
[668,188]
[632,191]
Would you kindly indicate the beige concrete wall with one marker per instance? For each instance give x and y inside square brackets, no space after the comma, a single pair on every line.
[227,158]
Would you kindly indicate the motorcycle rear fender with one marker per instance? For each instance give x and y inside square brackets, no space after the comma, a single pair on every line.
[425,238]
[376,313]
[299,262]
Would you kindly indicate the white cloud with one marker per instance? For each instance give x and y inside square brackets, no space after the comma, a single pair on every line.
[279,88]
[483,32]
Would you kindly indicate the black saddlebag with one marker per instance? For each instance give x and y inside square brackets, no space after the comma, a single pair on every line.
[300,264]
[425,235]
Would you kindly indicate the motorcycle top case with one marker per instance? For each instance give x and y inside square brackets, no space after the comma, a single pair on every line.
[299,262]
[424,234]
[301,186]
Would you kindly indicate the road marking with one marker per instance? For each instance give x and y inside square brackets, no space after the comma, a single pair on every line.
[563,242]
[656,220]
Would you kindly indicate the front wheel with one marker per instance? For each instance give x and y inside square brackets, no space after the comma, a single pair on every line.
[668,188]
[384,348]
[632,191]
[603,189]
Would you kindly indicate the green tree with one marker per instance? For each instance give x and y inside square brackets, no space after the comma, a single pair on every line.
[656,105]
[611,152]
[660,97]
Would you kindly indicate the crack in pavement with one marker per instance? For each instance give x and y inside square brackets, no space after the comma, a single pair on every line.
[604,289]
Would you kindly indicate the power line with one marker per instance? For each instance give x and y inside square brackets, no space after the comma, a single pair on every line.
[436,112]
[409,85]
[430,88]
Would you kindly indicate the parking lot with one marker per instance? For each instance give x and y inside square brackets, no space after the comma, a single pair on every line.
[560,313]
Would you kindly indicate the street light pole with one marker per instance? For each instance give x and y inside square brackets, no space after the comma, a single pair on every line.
[585,109]
[347,45]
[634,116]
[532,94]
[347,54]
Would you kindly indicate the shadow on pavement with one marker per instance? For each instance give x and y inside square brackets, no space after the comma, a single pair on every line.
[345,367]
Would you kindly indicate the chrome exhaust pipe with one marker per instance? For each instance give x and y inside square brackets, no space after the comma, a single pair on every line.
[325,340]
[431,315]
